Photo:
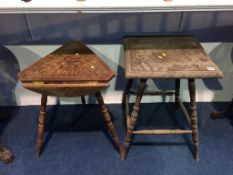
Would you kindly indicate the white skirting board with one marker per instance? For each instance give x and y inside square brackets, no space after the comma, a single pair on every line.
[108,6]
[211,90]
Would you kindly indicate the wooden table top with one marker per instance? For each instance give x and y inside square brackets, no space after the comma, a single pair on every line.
[73,62]
[167,57]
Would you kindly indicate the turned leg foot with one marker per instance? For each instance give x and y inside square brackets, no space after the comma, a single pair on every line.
[133,118]
[194,120]
[108,122]
[41,125]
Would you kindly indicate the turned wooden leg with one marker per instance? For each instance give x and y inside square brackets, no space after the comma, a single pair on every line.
[177,90]
[83,100]
[125,102]
[41,125]
[133,118]
[193,115]
[108,122]
[5,155]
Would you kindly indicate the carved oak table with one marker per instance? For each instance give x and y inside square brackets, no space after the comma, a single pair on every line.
[164,58]
[72,70]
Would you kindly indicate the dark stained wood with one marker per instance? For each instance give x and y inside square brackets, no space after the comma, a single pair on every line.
[159,58]
[167,57]
[193,115]
[125,102]
[41,125]
[72,70]
[108,122]
[133,118]
[66,90]
[177,90]
[73,62]
[184,110]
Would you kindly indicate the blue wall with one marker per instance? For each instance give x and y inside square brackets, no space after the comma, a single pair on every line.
[110,28]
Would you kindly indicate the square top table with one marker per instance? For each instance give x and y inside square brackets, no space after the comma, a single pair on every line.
[167,57]
[161,57]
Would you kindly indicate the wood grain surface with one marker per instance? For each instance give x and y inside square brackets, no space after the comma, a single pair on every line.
[72,62]
[167,57]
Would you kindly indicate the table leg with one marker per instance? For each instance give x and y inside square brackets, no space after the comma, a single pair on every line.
[41,125]
[125,102]
[133,118]
[108,122]
[177,90]
[194,120]
[83,100]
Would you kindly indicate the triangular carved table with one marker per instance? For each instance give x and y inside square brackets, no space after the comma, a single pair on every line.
[70,71]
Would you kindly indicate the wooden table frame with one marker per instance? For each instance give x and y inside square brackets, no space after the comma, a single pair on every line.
[104,110]
[131,119]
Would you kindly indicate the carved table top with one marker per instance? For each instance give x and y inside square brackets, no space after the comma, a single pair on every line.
[73,62]
[167,57]
[71,70]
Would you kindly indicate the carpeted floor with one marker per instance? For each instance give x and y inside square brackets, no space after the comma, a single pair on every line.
[75,142]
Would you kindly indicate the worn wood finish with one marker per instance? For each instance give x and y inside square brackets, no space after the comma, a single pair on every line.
[125,103]
[163,131]
[193,115]
[108,122]
[185,112]
[72,70]
[73,62]
[167,57]
[160,58]
[133,118]
[41,125]
[65,89]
